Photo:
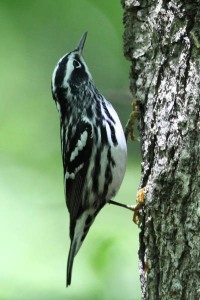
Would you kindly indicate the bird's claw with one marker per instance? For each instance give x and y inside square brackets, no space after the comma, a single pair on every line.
[138,206]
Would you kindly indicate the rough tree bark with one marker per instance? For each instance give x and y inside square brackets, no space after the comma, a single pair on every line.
[162,41]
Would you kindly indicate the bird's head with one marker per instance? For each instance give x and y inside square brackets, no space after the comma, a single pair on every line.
[70,73]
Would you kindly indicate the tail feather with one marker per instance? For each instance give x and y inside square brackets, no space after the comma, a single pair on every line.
[72,253]
[80,231]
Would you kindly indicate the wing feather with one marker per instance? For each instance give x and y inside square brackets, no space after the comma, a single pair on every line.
[76,158]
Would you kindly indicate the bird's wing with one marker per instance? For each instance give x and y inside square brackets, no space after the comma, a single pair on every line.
[76,161]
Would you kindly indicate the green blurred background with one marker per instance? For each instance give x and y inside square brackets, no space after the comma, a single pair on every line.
[33,215]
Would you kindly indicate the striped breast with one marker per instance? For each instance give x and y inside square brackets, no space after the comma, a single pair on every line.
[109,154]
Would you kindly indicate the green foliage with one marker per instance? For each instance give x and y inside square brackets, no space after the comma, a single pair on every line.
[34,219]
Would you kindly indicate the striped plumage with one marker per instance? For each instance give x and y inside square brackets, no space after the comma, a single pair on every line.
[92,142]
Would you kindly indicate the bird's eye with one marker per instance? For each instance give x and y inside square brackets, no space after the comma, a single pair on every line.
[76,64]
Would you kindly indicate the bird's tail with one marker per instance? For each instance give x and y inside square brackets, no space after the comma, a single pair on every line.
[79,233]
[70,261]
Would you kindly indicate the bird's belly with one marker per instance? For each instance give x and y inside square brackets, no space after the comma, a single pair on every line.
[118,171]
[109,176]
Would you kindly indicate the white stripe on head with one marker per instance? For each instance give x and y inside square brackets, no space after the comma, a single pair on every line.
[68,70]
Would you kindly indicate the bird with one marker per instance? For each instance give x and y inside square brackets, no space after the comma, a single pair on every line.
[93,146]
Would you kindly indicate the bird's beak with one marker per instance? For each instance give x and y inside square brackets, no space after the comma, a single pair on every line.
[80,46]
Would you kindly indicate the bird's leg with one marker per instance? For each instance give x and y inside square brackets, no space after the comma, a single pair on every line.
[134,208]
[138,206]
[130,207]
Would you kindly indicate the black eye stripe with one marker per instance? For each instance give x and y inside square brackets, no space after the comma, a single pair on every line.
[76,64]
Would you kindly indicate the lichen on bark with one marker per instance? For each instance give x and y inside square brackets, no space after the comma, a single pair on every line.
[162,41]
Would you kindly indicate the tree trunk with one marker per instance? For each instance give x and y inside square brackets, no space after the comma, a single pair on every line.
[162,41]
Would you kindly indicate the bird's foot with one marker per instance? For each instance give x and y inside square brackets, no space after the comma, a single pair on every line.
[138,206]
[134,208]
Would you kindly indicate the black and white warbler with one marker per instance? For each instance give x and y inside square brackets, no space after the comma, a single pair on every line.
[93,145]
